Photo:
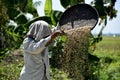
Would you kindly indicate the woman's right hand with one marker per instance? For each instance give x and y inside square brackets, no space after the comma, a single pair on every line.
[57,33]
[53,36]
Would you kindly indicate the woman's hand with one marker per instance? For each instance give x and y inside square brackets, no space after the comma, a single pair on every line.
[57,33]
[54,35]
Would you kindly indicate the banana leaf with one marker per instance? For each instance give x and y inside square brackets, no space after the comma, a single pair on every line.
[21,18]
[48,7]
[55,16]
[45,18]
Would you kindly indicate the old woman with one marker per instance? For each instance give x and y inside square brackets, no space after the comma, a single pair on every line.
[35,46]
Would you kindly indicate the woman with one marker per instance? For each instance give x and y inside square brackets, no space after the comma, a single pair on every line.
[35,45]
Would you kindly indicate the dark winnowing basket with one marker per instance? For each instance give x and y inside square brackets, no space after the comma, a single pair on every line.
[79,15]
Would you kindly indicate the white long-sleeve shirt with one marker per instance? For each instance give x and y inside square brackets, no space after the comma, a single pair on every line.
[36,61]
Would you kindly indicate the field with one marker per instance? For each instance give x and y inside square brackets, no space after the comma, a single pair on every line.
[108,50]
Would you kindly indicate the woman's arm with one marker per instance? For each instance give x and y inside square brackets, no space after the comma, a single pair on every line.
[29,45]
[53,36]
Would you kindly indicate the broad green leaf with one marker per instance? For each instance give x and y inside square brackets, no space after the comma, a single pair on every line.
[48,7]
[45,18]
[55,16]
[21,19]
[30,8]
[65,3]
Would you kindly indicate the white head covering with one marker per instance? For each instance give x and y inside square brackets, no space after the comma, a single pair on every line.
[39,30]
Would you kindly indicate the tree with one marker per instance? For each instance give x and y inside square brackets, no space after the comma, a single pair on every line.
[13,11]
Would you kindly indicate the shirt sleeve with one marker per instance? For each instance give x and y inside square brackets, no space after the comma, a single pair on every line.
[54,29]
[30,46]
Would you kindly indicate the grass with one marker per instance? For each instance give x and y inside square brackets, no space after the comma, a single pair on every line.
[108,50]
[109,46]
[11,66]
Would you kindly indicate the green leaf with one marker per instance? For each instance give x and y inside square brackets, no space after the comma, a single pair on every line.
[21,19]
[12,12]
[31,8]
[55,16]
[45,18]
[65,3]
[48,7]
[20,30]
[63,38]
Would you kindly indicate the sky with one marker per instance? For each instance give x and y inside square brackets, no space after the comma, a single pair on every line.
[112,27]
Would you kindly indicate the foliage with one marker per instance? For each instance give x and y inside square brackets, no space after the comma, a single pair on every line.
[3,19]
[56,52]
[8,38]
[105,9]
[11,66]
[57,74]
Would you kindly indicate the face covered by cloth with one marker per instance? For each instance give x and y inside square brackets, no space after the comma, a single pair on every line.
[39,30]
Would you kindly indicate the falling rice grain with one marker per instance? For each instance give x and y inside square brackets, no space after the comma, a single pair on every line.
[75,55]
